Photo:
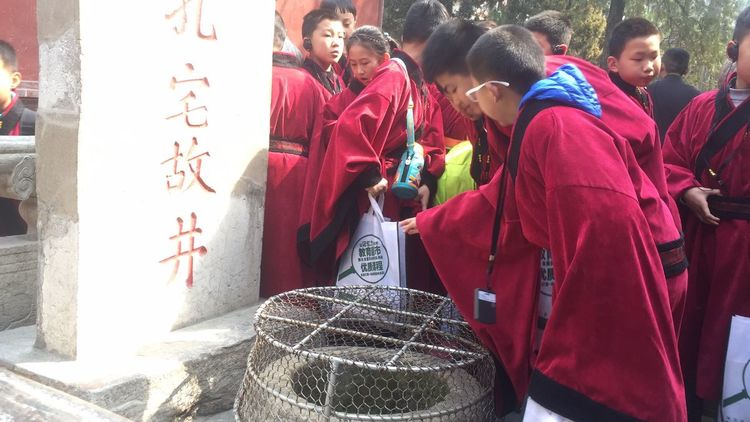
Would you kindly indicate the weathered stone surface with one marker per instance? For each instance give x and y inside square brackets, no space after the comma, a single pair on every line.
[150,209]
[18,285]
[57,172]
[193,371]
[23,400]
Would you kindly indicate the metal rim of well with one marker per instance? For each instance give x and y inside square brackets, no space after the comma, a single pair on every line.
[478,352]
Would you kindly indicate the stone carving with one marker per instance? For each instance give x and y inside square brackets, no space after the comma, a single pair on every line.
[23,178]
[18,175]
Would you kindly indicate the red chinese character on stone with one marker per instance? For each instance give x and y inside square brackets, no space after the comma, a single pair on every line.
[192,162]
[186,249]
[181,15]
[195,113]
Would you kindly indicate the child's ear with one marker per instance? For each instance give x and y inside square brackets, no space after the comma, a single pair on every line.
[386,57]
[495,90]
[612,64]
[15,80]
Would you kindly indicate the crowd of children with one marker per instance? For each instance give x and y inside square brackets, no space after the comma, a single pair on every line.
[614,263]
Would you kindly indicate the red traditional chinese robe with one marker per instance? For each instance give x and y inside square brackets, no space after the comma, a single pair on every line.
[626,118]
[366,144]
[296,104]
[613,341]
[638,95]
[719,256]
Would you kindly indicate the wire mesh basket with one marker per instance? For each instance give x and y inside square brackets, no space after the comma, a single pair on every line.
[364,353]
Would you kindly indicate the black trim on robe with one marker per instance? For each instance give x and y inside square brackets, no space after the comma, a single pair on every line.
[571,404]
[633,91]
[329,80]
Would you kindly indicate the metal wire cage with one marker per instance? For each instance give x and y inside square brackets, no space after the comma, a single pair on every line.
[364,353]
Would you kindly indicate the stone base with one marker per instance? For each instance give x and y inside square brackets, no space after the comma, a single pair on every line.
[18,274]
[24,400]
[193,371]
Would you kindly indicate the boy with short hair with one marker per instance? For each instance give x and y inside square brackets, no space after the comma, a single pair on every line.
[347,12]
[323,39]
[573,180]
[444,64]
[552,31]
[634,59]
[15,119]
[706,157]
[572,186]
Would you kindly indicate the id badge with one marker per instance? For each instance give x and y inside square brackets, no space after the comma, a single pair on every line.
[484,306]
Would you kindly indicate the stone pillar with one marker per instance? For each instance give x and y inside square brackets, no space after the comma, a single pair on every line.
[151,143]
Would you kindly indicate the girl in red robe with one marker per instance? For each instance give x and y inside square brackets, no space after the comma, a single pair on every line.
[363,151]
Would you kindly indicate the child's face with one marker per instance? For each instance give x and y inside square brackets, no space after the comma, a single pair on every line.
[364,62]
[9,80]
[497,102]
[454,87]
[743,62]
[328,42]
[349,22]
[639,62]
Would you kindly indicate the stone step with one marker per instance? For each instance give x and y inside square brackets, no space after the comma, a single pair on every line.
[193,371]
[24,400]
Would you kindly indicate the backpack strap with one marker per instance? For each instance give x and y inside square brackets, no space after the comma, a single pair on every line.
[528,112]
[726,124]
[410,137]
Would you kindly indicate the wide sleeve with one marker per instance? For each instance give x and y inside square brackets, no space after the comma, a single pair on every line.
[678,154]
[610,306]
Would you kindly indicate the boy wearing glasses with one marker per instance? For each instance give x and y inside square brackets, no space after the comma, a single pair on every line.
[572,186]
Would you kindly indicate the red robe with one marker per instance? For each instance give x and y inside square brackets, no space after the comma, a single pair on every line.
[329,83]
[638,95]
[627,119]
[719,256]
[365,144]
[613,343]
[295,109]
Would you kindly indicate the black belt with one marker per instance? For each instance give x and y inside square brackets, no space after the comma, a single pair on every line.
[730,208]
[673,257]
[286,146]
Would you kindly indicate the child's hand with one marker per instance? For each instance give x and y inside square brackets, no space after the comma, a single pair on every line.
[697,200]
[410,225]
[377,188]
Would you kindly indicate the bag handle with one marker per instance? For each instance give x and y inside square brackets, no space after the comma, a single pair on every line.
[410,137]
[376,206]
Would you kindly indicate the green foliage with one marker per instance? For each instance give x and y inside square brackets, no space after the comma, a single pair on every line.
[702,27]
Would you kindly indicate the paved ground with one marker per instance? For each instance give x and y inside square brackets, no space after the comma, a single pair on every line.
[227,416]
[23,400]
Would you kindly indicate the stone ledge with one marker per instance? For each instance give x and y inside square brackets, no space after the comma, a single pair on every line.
[24,400]
[196,370]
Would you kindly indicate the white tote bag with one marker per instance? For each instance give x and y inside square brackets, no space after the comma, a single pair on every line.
[735,402]
[375,255]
